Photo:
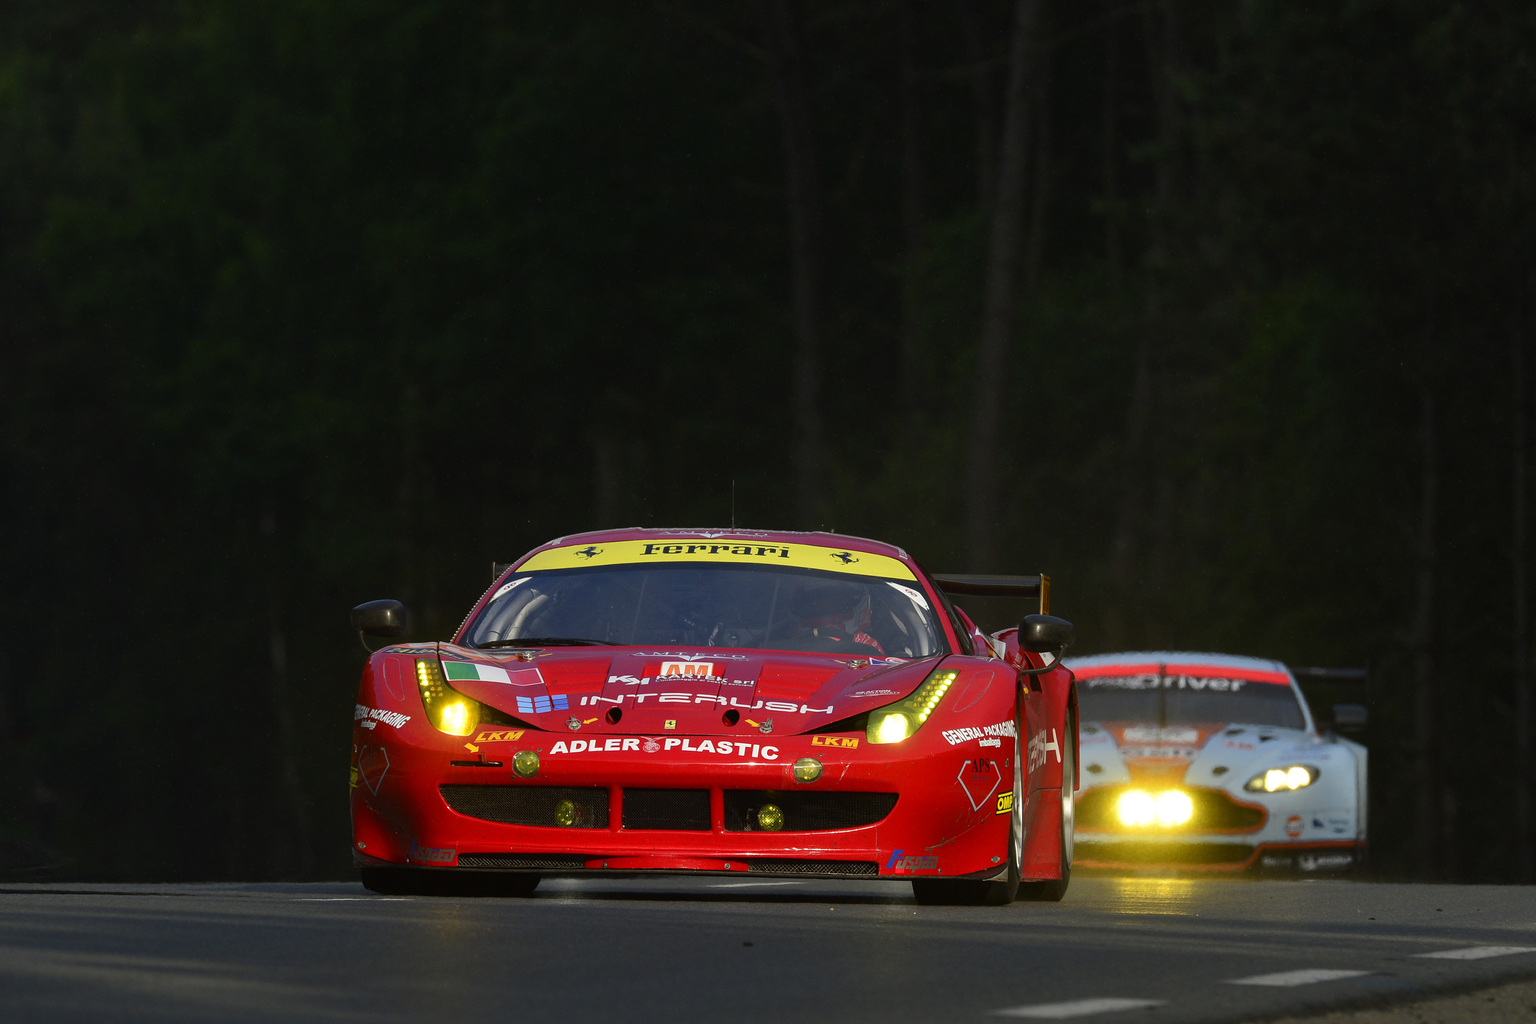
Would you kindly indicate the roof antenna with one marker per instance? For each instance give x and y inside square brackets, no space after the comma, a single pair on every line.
[733,503]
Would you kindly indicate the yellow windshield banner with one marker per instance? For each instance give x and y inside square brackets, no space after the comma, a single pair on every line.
[733,549]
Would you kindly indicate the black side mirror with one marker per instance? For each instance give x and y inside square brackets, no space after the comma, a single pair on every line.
[379,618]
[1349,717]
[1046,634]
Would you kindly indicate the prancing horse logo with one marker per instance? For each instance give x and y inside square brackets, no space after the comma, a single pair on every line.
[846,557]
[589,551]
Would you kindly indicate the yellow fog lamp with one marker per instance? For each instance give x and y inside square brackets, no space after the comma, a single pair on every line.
[807,769]
[526,763]
[447,710]
[565,813]
[1136,808]
[770,818]
[895,722]
[1283,780]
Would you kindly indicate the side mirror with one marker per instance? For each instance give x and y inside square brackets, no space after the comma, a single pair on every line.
[1349,717]
[1046,634]
[379,618]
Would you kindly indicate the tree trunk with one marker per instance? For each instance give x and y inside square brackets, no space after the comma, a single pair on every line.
[1422,638]
[1526,857]
[803,194]
[982,101]
[282,705]
[997,316]
[1111,143]
[911,207]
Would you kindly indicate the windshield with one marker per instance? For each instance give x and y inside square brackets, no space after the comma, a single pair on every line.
[1183,699]
[704,605]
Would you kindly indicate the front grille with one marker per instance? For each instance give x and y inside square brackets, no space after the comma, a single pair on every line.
[678,809]
[777,866]
[1164,853]
[1214,811]
[530,805]
[542,861]
[806,811]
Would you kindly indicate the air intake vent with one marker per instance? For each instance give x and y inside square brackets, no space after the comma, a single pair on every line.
[538,861]
[1214,811]
[555,806]
[807,811]
[827,868]
[677,809]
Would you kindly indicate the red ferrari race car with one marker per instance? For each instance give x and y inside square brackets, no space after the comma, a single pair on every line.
[732,703]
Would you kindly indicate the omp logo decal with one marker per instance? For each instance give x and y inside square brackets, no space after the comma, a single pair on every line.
[497,735]
[834,741]
[1005,802]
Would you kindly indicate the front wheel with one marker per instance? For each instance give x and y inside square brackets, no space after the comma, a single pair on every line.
[1052,890]
[994,892]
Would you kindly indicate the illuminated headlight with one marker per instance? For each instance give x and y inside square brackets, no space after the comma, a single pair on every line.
[1136,808]
[447,709]
[1174,808]
[1283,780]
[895,722]
[1140,809]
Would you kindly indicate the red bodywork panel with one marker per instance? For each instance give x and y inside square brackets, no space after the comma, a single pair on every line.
[738,727]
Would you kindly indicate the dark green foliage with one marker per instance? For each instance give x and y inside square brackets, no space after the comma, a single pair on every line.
[308,302]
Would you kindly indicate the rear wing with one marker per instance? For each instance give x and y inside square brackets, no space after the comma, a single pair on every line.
[1034,588]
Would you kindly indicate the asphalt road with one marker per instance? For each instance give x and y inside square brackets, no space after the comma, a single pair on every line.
[719,950]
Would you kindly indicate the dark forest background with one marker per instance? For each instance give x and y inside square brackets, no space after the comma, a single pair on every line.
[1216,311]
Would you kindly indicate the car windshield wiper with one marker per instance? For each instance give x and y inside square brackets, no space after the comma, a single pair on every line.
[546,641]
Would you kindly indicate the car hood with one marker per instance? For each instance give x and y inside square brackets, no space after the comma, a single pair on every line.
[1221,754]
[658,690]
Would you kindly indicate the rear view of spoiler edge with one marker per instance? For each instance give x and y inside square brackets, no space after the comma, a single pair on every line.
[1033,587]
[1304,674]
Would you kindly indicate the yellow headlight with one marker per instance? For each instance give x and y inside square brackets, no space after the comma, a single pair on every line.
[457,718]
[890,728]
[1174,808]
[770,818]
[1283,780]
[895,722]
[1136,808]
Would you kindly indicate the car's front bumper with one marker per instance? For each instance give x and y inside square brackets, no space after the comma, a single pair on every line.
[945,820]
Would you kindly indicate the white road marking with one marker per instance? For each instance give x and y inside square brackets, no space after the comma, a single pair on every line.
[1476,952]
[1076,1008]
[348,899]
[1290,979]
[743,885]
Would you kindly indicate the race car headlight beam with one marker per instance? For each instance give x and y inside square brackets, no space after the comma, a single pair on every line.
[1283,780]
[448,710]
[895,722]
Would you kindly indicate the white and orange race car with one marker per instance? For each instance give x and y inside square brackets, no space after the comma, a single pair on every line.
[1214,762]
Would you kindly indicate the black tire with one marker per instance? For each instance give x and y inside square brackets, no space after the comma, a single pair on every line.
[420,882]
[994,892]
[1052,890]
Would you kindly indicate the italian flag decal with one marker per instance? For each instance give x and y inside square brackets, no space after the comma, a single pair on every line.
[473,670]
